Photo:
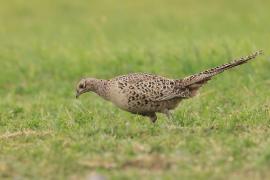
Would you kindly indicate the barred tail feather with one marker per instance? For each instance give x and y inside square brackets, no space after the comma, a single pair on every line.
[197,80]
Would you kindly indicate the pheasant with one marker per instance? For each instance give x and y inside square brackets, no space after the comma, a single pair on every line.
[147,94]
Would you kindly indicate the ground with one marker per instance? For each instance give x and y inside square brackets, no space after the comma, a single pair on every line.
[47,46]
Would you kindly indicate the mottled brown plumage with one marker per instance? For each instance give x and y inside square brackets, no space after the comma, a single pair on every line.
[146,94]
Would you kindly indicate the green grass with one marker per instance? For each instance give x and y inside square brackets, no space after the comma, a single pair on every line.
[47,46]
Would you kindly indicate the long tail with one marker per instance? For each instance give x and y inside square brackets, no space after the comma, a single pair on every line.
[198,79]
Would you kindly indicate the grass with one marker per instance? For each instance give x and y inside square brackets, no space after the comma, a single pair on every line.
[47,46]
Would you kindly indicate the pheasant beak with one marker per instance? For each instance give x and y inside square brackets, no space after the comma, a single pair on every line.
[77,95]
[80,92]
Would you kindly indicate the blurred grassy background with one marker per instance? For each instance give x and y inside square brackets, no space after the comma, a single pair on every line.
[47,46]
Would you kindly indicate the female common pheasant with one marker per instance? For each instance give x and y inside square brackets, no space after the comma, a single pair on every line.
[146,94]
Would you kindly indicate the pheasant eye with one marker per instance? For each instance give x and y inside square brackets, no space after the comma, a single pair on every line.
[81,86]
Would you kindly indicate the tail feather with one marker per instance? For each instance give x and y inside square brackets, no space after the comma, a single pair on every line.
[197,80]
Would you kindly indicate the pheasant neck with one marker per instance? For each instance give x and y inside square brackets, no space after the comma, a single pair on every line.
[101,87]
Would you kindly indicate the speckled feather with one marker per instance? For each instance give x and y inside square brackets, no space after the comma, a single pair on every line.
[146,94]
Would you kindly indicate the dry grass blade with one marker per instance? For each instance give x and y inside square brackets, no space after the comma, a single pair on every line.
[9,135]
